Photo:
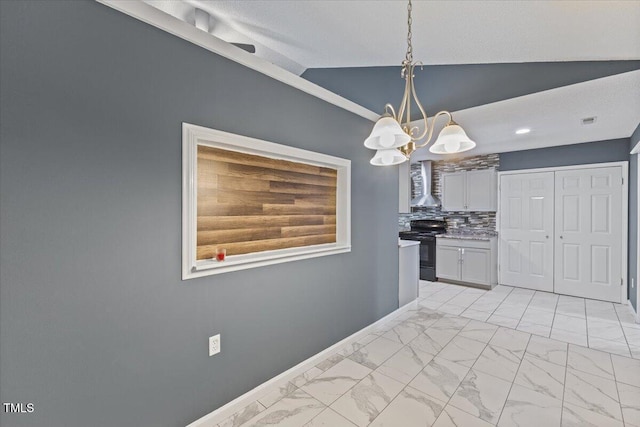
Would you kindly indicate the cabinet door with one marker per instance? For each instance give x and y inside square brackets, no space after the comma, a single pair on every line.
[448,262]
[476,266]
[480,188]
[453,191]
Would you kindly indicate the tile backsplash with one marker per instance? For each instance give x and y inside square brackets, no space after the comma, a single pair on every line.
[471,221]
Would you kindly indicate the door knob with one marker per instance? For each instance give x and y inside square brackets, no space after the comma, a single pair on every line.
[546,237]
[561,237]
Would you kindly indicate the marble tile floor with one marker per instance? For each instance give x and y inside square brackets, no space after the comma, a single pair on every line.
[432,366]
[595,324]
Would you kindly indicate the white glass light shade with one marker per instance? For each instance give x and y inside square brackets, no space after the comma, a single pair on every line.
[388,158]
[452,139]
[386,134]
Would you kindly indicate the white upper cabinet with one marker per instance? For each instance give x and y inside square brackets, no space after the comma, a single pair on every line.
[470,191]
[453,191]
[481,189]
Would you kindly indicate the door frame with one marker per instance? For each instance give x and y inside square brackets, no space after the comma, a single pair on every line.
[636,150]
[624,214]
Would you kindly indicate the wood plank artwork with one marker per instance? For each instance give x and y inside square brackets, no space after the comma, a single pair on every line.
[249,203]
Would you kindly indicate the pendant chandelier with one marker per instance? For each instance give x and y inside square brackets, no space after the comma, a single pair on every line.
[395,139]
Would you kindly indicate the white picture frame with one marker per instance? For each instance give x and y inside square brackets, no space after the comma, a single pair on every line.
[192,137]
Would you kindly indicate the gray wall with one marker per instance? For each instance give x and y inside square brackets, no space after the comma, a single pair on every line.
[615,150]
[458,86]
[633,217]
[97,327]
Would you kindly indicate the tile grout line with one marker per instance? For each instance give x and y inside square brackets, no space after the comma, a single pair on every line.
[467,373]
[357,382]
[380,373]
[406,385]
[457,334]
[586,321]
[350,388]
[530,335]
[519,318]
[501,302]
[436,355]
[514,378]
[624,332]
[564,384]
[553,321]
[615,381]
[524,312]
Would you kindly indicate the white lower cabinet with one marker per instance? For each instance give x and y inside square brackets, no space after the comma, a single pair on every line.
[409,277]
[476,266]
[447,262]
[467,261]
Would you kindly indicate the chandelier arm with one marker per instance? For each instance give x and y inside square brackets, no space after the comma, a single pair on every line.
[424,114]
[393,111]
[440,113]
[403,103]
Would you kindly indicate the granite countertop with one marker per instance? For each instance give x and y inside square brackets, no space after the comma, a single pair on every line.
[466,235]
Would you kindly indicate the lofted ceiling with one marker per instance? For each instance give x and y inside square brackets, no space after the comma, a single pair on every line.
[327,34]
[497,65]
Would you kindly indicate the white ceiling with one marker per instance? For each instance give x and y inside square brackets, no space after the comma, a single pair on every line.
[296,35]
[554,116]
[317,34]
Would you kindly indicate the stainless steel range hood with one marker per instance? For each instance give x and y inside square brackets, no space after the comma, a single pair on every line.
[427,199]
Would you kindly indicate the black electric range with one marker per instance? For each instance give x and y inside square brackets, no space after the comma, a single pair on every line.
[425,231]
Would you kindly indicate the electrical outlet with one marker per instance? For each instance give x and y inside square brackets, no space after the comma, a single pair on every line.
[214,345]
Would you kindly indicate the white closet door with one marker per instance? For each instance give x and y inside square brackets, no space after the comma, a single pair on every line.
[589,233]
[526,230]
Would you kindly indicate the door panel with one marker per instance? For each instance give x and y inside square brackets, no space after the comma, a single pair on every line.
[526,230]
[514,256]
[536,262]
[481,190]
[448,262]
[571,209]
[514,212]
[536,208]
[601,260]
[476,266]
[588,238]
[571,257]
[453,191]
[600,213]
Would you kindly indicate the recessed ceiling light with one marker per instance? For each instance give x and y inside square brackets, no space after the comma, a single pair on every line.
[523,131]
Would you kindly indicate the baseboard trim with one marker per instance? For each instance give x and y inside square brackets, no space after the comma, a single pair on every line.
[220,414]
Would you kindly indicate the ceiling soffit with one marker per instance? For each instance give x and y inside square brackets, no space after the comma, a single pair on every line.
[458,87]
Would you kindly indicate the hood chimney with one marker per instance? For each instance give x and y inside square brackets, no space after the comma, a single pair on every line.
[426,199]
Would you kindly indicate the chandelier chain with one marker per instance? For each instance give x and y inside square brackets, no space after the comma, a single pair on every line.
[409,57]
